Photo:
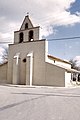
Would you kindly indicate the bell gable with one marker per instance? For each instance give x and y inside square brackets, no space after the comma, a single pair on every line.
[27,32]
[26,23]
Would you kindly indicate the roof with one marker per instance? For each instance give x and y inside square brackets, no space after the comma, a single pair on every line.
[58,59]
[4,63]
[63,67]
[69,70]
[72,70]
[27,29]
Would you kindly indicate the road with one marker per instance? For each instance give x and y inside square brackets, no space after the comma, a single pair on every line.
[36,103]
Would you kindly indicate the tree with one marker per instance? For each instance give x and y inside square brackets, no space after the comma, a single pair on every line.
[4,55]
[74,64]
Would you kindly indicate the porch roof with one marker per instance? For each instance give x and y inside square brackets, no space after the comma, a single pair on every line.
[72,70]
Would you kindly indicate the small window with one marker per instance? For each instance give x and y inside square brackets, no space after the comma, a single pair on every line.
[31,35]
[24,60]
[26,26]
[21,35]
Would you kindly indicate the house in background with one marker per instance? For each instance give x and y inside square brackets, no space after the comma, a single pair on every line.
[29,62]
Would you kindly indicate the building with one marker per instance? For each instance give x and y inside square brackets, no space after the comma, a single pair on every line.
[29,62]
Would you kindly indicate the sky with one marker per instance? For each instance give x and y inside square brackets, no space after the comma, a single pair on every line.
[57,19]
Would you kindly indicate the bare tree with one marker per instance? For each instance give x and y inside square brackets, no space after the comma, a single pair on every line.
[74,64]
[4,56]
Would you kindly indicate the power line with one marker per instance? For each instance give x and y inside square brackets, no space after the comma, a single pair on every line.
[50,39]
[60,39]
[52,19]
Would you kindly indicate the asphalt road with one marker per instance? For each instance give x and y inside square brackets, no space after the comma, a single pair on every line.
[25,103]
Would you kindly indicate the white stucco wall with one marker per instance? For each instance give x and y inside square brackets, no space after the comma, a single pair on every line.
[3,73]
[43,73]
[63,64]
[38,49]
[55,76]
[67,79]
[16,71]
[60,63]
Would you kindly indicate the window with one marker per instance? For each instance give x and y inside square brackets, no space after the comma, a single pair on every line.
[31,35]
[26,26]
[21,35]
[73,76]
[79,77]
[24,60]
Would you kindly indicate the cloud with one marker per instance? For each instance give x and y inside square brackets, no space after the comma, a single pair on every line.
[46,13]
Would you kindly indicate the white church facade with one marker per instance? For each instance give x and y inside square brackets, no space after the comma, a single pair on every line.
[29,62]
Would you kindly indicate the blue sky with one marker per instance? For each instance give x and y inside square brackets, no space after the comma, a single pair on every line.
[57,18]
[75,7]
[66,49]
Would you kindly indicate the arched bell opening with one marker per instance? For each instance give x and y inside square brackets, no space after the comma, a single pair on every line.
[26,26]
[31,34]
[21,37]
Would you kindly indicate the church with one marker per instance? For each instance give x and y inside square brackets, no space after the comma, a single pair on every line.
[29,62]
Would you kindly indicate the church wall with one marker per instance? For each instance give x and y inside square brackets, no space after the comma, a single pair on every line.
[16,37]
[3,73]
[55,76]
[39,72]
[36,34]
[38,49]
[43,73]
